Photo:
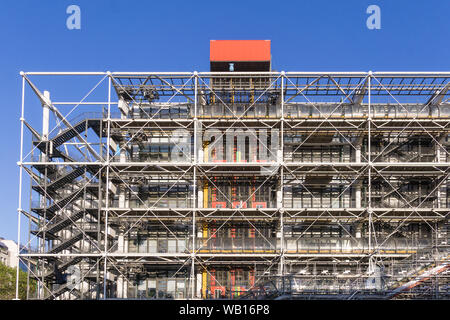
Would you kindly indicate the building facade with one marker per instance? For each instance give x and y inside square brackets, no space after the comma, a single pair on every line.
[241,182]
[8,254]
[4,254]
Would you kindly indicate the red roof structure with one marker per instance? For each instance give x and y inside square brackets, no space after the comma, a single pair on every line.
[240,50]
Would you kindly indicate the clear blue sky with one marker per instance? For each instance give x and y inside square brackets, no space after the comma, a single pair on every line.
[121,35]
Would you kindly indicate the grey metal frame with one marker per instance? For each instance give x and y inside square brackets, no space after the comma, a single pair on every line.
[366,89]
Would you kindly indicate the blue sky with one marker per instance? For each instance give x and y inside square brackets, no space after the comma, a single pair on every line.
[120,35]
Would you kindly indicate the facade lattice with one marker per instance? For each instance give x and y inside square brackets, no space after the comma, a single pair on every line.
[236,184]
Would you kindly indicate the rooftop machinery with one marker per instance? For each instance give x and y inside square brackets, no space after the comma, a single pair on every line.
[241,182]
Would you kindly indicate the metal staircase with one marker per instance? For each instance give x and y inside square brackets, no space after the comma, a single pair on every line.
[421,274]
[268,290]
[63,267]
[60,181]
[50,230]
[68,287]
[67,243]
[63,289]
[50,211]
[67,134]
[78,128]
[72,240]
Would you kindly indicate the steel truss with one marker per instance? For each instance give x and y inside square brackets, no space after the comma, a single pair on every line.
[351,198]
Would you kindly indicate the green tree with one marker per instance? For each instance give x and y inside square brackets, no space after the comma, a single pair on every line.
[8,283]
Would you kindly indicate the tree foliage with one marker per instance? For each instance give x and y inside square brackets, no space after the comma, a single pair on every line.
[8,283]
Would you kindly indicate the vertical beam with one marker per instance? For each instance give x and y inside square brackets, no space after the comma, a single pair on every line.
[369,159]
[438,148]
[281,202]
[99,213]
[108,120]
[45,157]
[29,244]
[19,209]
[194,204]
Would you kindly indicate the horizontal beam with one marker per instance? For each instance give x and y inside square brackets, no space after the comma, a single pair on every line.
[290,73]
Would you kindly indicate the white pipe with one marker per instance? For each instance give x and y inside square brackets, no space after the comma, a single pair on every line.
[299,73]
[64,73]
[45,115]
[19,210]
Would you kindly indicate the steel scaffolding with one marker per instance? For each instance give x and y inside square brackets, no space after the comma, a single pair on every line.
[201,185]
